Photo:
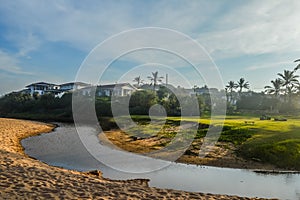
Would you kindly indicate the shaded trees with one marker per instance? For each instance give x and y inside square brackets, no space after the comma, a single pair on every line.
[45,107]
[230,87]
[288,85]
[289,80]
[141,101]
[275,88]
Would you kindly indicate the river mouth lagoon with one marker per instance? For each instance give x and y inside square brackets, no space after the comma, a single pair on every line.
[63,148]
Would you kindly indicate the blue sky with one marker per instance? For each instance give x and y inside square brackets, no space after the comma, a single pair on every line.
[49,40]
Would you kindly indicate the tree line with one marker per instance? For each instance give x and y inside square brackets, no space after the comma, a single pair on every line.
[48,107]
[282,96]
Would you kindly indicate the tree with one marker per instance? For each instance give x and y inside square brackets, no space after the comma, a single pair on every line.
[172,105]
[155,79]
[275,88]
[141,101]
[252,102]
[138,80]
[242,84]
[163,92]
[230,88]
[289,80]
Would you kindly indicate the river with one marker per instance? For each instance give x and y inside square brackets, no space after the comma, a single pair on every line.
[63,148]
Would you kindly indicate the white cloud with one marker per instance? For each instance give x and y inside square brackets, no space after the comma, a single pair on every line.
[265,66]
[85,25]
[26,42]
[10,64]
[156,38]
[185,16]
[12,75]
[257,27]
[82,26]
[254,27]
[237,29]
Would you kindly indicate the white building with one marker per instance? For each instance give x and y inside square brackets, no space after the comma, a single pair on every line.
[73,86]
[118,89]
[42,88]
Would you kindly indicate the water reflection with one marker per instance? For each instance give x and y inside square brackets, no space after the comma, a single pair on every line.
[63,148]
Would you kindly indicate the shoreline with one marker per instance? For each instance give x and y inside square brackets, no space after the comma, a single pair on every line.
[25,177]
[222,155]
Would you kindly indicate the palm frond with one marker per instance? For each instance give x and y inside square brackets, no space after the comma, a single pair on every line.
[297,67]
[297,60]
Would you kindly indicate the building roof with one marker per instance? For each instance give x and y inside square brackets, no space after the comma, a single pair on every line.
[76,83]
[40,84]
[112,86]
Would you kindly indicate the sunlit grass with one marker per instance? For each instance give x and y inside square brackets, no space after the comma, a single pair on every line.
[275,142]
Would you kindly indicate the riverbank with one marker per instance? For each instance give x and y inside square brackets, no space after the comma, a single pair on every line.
[264,145]
[26,178]
[221,155]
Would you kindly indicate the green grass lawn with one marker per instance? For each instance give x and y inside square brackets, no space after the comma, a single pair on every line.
[275,142]
[267,141]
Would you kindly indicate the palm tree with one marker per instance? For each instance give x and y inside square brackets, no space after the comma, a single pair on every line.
[138,80]
[155,79]
[242,84]
[275,88]
[289,80]
[298,66]
[230,87]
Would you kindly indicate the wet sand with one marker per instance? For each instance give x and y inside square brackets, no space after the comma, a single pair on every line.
[22,177]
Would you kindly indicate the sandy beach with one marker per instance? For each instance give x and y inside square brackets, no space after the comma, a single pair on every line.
[22,177]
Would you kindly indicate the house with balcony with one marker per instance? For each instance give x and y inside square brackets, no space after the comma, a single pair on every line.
[118,89]
[42,88]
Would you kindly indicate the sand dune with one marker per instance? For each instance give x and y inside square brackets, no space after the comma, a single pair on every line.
[22,177]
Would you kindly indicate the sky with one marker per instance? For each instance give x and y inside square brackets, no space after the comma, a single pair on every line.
[52,40]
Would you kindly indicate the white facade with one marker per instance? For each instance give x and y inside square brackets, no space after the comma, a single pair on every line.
[42,88]
[73,86]
[121,89]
